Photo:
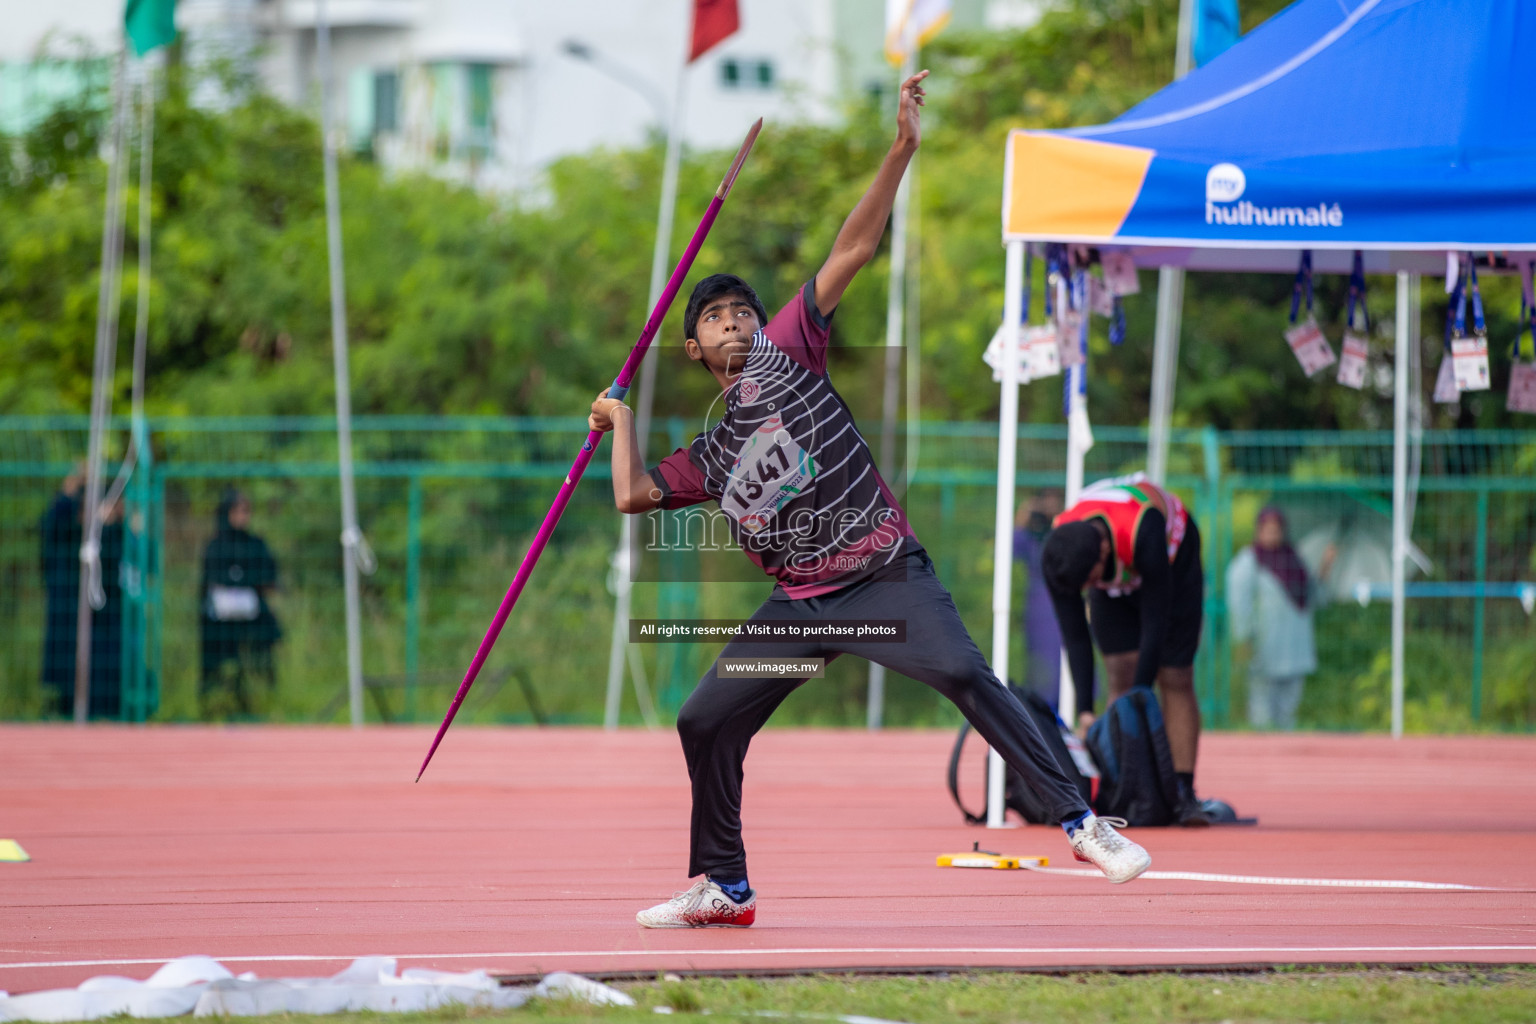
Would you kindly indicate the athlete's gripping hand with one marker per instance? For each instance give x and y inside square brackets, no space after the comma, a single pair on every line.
[908,113]
[603,409]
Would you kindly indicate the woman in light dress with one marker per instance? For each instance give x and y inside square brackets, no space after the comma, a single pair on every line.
[1271,595]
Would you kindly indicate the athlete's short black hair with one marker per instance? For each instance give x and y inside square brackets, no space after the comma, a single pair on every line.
[1070,553]
[712,288]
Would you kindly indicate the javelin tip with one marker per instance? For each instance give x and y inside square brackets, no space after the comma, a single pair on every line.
[741,158]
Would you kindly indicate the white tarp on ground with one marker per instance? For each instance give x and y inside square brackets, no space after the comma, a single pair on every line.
[203,987]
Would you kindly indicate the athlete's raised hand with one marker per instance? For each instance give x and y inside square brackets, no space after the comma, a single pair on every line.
[856,242]
[909,110]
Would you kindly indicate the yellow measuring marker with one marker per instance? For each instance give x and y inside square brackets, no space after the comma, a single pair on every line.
[979,858]
[10,850]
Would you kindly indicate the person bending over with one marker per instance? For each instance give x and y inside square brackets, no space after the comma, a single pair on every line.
[802,496]
[1135,548]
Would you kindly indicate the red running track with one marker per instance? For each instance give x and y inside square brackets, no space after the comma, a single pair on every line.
[288,851]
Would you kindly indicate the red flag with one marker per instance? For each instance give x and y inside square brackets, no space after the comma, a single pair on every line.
[713,21]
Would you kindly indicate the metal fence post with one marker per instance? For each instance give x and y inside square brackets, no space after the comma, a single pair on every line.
[1214,618]
[1479,602]
[155,595]
[136,703]
[1222,545]
[946,524]
[412,593]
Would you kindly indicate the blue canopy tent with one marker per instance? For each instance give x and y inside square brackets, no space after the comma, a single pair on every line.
[1395,127]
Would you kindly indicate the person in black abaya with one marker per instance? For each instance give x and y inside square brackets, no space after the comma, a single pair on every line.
[61,531]
[238,627]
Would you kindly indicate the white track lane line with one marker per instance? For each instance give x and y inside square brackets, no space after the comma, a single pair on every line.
[1336,883]
[1283,951]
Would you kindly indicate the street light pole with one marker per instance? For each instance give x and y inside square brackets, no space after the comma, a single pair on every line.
[356,556]
[619,647]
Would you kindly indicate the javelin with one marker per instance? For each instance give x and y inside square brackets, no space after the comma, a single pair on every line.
[619,390]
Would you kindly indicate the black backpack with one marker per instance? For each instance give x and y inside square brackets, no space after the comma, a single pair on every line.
[1016,793]
[1130,747]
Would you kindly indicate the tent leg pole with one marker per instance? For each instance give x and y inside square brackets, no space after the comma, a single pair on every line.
[1399,491]
[1002,539]
[1165,361]
[1066,699]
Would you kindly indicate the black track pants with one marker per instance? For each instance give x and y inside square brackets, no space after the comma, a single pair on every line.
[719,719]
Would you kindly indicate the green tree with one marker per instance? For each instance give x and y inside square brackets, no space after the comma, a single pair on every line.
[464,303]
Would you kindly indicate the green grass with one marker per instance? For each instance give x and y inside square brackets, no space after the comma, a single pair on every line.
[1363,995]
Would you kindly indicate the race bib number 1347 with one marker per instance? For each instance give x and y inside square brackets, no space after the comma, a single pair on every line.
[770,471]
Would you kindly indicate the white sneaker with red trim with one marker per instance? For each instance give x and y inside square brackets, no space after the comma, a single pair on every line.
[704,906]
[1097,842]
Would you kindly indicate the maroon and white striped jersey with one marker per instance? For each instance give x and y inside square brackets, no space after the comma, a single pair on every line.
[789,468]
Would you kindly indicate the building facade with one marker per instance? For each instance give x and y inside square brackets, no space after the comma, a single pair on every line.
[491,91]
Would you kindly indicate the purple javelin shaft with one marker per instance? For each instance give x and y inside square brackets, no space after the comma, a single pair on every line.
[589,447]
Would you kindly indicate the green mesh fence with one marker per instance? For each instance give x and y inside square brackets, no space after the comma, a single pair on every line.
[449,505]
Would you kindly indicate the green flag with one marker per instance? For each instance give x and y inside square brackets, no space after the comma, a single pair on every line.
[150,23]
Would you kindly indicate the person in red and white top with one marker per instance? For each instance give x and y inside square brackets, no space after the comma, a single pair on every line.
[802,496]
[1135,549]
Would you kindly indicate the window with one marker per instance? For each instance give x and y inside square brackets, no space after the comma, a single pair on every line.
[478,121]
[386,101]
[738,73]
[463,107]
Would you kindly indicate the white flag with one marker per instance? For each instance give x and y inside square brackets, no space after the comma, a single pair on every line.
[911,23]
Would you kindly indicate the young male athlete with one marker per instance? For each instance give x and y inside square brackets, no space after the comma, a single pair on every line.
[800,491]
[1135,548]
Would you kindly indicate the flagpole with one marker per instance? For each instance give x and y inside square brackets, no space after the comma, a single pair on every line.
[136,436]
[92,593]
[355,553]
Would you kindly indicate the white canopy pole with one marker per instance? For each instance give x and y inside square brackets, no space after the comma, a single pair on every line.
[623,586]
[1007,468]
[1407,306]
[1170,304]
[354,550]
[1165,362]
[1079,440]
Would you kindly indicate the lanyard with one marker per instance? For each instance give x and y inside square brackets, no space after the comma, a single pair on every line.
[1527,309]
[1357,292]
[1055,270]
[1456,299]
[1478,326]
[1075,378]
[1303,280]
[1117,323]
[1029,280]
